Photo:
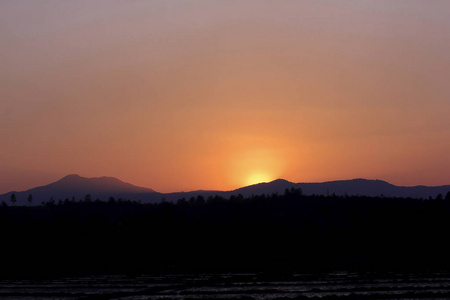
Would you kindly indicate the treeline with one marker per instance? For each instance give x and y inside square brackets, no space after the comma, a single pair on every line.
[262,233]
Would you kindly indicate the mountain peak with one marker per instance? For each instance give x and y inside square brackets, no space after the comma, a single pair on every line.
[368,181]
[280,180]
[71,176]
[76,186]
[104,183]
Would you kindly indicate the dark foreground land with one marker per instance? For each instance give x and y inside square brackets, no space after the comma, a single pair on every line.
[334,285]
[277,234]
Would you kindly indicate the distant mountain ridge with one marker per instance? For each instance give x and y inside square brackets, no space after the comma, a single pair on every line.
[365,187]
[359,186]
[75,186]
[99,184]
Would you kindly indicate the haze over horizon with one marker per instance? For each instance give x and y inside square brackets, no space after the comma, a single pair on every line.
[74,187]
[187,95]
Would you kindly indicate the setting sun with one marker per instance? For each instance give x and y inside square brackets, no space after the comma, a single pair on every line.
[256,161]
[258,178]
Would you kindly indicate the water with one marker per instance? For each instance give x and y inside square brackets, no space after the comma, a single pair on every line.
[337,285]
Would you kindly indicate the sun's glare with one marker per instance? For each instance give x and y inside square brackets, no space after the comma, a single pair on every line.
[258,178]
[254,159]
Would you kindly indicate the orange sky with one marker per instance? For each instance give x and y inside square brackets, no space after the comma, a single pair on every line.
[185,95]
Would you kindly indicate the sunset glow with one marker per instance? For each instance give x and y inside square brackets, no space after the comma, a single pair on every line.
[258,178]
[186,95]
[255,160]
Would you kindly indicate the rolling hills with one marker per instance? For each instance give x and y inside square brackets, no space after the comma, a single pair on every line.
[77,187]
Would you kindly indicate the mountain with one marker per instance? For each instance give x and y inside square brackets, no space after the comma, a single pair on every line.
[267,188]
[105,187]
[78,187]
[365,187]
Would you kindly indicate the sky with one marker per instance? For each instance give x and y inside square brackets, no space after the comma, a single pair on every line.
[184,95]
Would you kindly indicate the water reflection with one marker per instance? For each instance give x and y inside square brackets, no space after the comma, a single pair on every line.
[234,286]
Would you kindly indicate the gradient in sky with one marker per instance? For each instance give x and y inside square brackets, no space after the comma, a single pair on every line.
[185,95]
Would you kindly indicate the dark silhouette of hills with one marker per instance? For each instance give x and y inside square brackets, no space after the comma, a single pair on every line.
[362,187]
[366,187]
[75,186]
[103,188]
[267,188]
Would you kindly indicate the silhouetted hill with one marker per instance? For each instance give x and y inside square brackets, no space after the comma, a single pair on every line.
[363,187]
[105,187]
[75,186]
[267,188]
[366,187]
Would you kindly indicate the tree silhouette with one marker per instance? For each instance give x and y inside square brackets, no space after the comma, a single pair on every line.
[30,199]
[13,199]
[88,198]
[237,230]
[200,200]
[51,202]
